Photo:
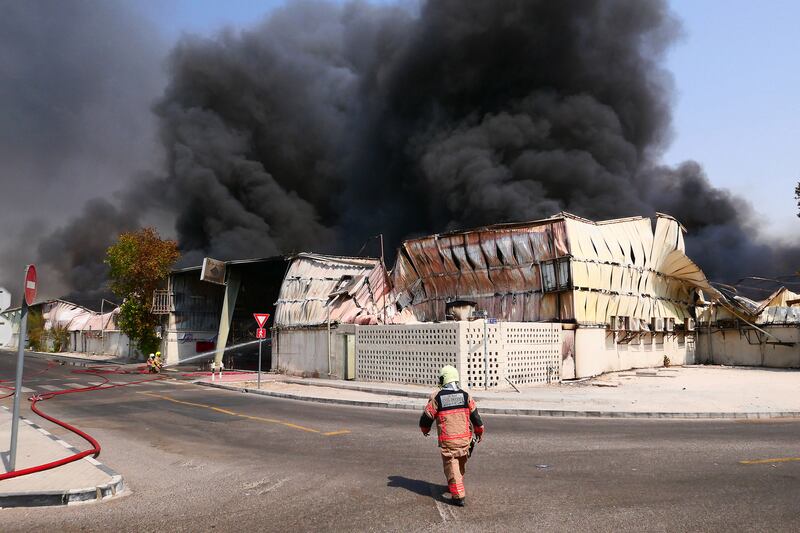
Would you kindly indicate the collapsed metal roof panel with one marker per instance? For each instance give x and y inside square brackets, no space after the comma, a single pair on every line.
[624,266]
[627,267]
[312,280]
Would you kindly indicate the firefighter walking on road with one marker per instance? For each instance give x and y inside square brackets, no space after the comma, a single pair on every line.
[457,419]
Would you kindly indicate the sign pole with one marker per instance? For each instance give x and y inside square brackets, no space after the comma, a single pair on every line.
[23,330]
[261,334]
[29,295]
[485,351]
[260,342]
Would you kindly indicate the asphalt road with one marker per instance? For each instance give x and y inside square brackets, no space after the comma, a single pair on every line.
[200,459]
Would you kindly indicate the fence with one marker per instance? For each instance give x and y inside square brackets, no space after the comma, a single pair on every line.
[522,352]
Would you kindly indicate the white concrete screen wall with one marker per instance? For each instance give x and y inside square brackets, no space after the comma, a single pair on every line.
[406,353]
[525,353]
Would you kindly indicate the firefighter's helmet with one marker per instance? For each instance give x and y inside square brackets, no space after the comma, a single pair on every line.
[447,374]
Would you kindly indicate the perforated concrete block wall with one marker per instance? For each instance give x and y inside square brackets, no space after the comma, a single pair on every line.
[525,353]
[473,360]
[406,353]
[532,352]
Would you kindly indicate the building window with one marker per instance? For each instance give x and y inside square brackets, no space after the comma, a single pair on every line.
[163,302]
[556,275]
[564,277]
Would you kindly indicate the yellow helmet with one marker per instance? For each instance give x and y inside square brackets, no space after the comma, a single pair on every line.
[447,374]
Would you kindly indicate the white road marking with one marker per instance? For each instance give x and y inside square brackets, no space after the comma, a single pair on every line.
[444,510]
[75,385]
[52,388]
[273,486]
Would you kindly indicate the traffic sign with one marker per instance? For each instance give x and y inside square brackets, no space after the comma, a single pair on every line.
[30,284]
[261,318]
[261,333]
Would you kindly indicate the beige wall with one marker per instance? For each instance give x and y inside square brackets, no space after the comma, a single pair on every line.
[599,350]
[304,351]
[730,347]
[526,353]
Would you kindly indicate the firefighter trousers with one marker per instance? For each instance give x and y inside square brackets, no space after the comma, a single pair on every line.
[454,469]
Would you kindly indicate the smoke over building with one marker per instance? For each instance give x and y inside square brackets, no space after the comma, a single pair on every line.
[326,124]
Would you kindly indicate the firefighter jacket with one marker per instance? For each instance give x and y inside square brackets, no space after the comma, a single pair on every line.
[453,410]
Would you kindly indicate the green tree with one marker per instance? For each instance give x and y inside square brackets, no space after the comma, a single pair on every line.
[138,264]
[37,336]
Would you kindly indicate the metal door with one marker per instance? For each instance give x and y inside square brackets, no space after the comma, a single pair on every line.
[350,356]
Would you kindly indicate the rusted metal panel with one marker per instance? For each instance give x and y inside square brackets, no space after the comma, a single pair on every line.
[560,239]
[479,266]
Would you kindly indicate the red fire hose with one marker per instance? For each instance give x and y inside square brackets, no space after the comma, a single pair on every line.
[95,449]
[50,364]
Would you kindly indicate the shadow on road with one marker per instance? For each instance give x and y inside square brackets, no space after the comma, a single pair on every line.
[418,486]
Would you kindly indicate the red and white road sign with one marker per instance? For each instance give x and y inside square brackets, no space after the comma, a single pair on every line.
[261,318]
[261,333]
[30,284]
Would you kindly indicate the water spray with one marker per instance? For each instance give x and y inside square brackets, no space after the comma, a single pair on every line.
[212,353]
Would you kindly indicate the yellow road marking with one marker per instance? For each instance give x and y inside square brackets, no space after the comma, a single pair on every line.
[248,417]
[273,421]
[767,461]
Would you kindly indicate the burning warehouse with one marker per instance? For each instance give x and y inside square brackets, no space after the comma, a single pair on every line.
[622,291]
[558,298]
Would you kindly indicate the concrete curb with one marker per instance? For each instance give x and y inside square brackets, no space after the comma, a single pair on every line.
[361,388]
[64,497]
[557,413]
[338,401]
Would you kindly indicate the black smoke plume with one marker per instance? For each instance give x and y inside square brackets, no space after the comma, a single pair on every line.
[326,124]
[76,82]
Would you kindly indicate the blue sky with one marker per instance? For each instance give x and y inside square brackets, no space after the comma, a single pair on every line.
[737,75]
[736,71]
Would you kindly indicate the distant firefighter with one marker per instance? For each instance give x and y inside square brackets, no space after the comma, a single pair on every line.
[459,426]
[154,363]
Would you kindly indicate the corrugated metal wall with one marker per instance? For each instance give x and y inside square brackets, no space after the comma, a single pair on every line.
[308,284]
[498,268]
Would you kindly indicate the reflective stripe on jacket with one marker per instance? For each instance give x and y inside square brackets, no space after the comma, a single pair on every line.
[453,410]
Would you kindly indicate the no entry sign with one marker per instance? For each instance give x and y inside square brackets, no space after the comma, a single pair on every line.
[30,284]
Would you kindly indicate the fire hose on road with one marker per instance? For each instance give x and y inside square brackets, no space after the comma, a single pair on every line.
[50,364]
[94,451]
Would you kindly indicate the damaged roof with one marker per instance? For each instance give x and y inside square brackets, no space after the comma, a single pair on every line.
[318,287]
[619,267]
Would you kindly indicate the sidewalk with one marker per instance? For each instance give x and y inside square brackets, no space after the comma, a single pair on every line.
[675,392]
[81,481]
